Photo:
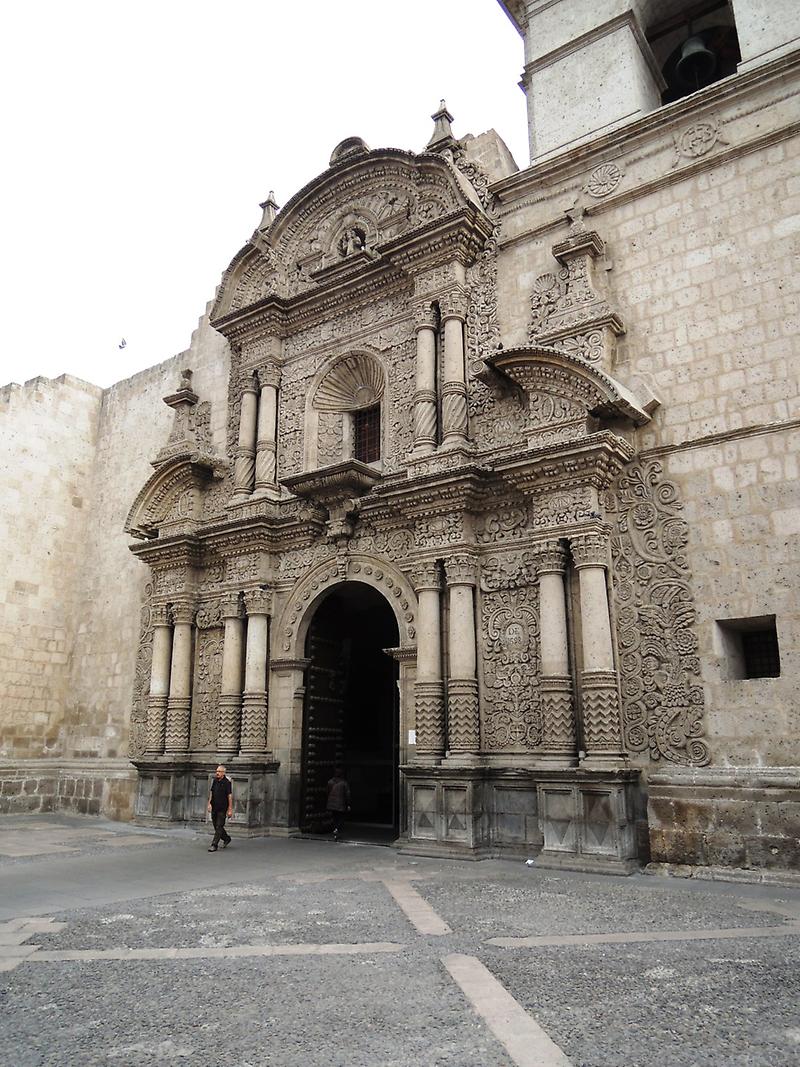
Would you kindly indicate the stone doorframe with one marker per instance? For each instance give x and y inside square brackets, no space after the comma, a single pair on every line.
[289,663]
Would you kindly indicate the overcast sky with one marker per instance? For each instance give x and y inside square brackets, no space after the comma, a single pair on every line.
[140,137]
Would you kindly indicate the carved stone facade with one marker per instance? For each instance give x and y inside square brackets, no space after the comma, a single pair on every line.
[491,468]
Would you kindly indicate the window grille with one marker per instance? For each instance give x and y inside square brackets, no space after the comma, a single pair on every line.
[367,431]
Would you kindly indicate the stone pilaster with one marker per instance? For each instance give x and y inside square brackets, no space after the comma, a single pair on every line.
[159,681]
[258,603]
[245,463]
[463,724]
[602,726]
[266,471]
[425,394]
[453,307]
[429,687]
[230,697]
[179,704]
[559,744]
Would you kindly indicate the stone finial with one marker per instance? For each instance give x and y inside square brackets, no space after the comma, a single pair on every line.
[270,209]
[442,136]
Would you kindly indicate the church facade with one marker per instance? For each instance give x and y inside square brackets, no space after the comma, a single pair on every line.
[478,483]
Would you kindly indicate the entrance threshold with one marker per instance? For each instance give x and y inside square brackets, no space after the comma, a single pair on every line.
[359,834]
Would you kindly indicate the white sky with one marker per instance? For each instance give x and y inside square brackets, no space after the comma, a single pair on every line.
[140,136]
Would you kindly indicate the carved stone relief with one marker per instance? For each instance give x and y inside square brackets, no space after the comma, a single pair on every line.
[662,693]
[141,681]
[512,711]
[207,683]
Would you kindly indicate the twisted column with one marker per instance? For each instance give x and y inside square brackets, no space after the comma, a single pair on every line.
[159,680]
[230,697]
[602,727]
[269,378]
[179,704]
[258,603]
[429,688]
[560,735]
[425,394]
[453,307]
[463,724]
[244,466]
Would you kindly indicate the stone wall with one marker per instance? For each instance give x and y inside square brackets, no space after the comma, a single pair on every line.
[48,435]
[72,591]
[701,265]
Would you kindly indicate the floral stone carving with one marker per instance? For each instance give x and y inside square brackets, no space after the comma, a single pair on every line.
[661,690]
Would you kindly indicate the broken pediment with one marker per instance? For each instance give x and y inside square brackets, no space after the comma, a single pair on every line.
[566,396]
[347,220]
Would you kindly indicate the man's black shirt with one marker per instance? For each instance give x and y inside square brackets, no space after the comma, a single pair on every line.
[220,791]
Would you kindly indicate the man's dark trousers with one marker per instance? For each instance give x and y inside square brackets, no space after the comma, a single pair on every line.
[218,819]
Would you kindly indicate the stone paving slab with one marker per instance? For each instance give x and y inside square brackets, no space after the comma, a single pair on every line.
[282,953]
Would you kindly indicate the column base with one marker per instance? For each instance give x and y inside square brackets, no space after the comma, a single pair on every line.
[462,759]
[266,492]
[557,760]
[611,762]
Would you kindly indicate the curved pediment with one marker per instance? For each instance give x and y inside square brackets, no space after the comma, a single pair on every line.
[346,218]
[171,496]
[559,385]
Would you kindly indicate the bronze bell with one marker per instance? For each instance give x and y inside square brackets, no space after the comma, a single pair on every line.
[697,64]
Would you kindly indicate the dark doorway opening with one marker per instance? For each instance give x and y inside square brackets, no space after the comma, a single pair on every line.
[351,713]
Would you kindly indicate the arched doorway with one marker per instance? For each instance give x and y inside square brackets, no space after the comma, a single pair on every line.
[351,708]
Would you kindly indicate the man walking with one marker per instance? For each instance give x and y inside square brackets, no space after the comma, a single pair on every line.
[220,804]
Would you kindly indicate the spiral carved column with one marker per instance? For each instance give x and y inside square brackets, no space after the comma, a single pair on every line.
[258,603]
[159,681]
[425,394]
[559,744]
[453,307]
[463,723]
[429,688]
[245,463]
[602,726]
[230,697]
[179,704]
[266,472]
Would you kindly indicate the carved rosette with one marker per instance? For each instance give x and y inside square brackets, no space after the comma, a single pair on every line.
[429,712]
[662,693]
[463,734]
[601,719]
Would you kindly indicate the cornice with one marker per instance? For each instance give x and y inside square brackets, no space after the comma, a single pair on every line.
[629,136]
[593,460]
[182,550]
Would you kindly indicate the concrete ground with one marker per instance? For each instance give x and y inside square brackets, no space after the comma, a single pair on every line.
[121,946]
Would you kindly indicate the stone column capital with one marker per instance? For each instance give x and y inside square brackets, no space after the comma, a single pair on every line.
[424,316]
[230,606]
[461,569]
[453,305]
[160,615]
[248,382]
[590,549]
[269,374]
[183,612]
[426,575]
[258,601]
[551,558]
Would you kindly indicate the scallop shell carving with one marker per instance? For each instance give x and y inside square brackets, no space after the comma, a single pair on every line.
[354,382]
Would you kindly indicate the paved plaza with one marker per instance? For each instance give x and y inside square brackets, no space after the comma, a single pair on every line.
[125,946]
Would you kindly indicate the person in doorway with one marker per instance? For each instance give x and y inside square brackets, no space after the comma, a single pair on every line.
[220,804]
[338,800]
